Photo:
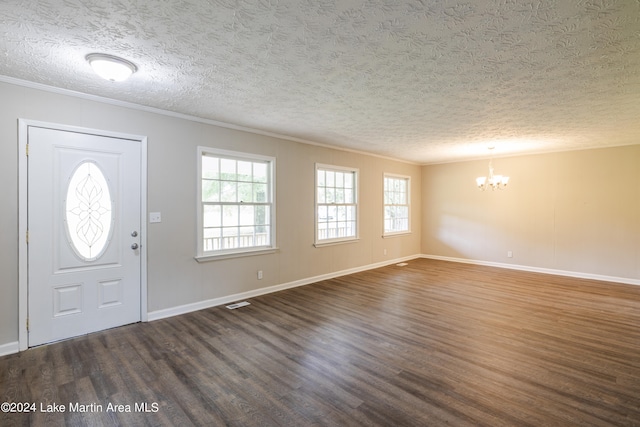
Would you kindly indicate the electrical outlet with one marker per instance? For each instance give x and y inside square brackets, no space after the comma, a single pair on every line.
[384,252]
[155,217]
[509,254]
[259,274]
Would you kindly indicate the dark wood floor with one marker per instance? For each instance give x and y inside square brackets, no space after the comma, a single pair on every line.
[431,343]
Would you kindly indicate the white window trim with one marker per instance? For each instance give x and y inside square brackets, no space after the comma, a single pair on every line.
[328,242]
[387,234]
[202,256]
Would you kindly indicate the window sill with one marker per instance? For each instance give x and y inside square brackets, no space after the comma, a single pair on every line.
[235,254]
[335,242]
[398,234]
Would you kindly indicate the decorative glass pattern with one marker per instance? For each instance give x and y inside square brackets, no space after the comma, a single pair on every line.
[88,211]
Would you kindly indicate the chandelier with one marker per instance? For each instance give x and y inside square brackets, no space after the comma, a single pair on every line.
[492,181]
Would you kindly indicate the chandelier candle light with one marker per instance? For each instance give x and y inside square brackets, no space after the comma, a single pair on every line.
[492,181]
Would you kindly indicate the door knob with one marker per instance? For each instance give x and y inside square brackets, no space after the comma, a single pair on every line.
[134,234]
[134,246]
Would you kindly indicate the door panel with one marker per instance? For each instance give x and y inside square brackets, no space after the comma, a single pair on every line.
[84,215]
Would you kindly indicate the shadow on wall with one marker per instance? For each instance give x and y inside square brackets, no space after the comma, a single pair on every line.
[462,221]
[466,238]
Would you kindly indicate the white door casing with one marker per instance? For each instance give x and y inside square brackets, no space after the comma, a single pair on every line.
[85,217]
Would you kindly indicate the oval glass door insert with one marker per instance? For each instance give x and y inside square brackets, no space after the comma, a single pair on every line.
[88,211]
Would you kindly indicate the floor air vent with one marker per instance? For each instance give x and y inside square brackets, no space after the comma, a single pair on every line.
[402,264]
[237,305]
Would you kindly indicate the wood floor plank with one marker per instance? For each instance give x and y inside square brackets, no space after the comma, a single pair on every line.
[432,343]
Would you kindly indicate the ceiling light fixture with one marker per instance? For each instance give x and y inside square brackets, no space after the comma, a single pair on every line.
[111,67]
[492,181]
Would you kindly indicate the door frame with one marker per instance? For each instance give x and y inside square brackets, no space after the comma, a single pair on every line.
[23,217]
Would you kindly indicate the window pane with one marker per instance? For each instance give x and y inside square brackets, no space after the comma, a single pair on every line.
[262,236]
[330,178]
[332,213]
[230,216]
[210,233]
[229,192]
[228,169]
[230,238]
[246,237]
[212,216]
[260,193]
[260,171]
[261,217]
[322,214]
[348,196]
[393,198]
[210,167]
[349,181]
[245,192]
[352,228]
[210,190]
[330,195]
[245,171]
[212,241]
[247,215]
[402,198]
[351,213]
[322,231]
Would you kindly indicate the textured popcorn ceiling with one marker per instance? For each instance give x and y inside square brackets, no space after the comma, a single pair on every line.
[423,80]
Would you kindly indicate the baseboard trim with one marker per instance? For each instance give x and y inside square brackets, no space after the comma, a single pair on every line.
[9,348]
[201,305]
[576,274]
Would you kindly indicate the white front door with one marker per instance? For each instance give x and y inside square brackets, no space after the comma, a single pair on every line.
[84,228]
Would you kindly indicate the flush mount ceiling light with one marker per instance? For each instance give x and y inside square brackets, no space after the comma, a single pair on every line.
[111,67]
[495,182]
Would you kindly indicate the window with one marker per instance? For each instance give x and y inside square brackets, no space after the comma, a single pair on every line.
[336,204]
[396,204]
[88,211]
[236,207]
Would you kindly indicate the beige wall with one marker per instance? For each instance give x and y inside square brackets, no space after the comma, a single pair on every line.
[174,277]
[576,211]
